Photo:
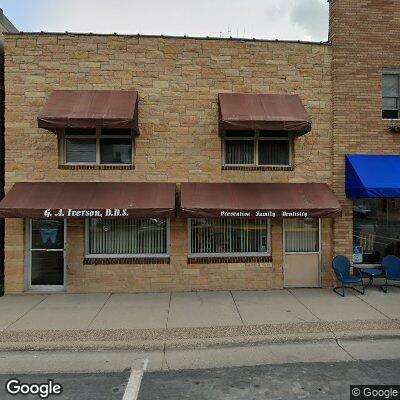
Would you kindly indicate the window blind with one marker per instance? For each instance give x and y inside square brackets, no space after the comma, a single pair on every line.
[301,235]
[130,236]
[239,152]
[229,236]
[260,151]
[81,150]
[273,152]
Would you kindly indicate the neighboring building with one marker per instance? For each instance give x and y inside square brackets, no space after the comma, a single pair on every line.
[156,163]
[5,26]
[366,121]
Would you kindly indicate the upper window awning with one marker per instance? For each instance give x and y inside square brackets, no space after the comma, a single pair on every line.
[113,109]
[89,199]
[372,176]
[258,200]
[275,112]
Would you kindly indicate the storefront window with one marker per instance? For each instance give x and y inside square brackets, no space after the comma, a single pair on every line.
[219,237]
[376,228]
[127,237]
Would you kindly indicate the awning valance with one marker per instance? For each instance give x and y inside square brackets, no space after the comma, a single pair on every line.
[113,109]
[372,176]
[258,200]
[91,199]
[274,112]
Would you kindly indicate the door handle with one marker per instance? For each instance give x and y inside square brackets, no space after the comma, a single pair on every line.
[52,250]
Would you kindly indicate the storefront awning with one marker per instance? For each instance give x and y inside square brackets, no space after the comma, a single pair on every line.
[115,109]
[275,112]
[372,176]
[91,199]
[258,200]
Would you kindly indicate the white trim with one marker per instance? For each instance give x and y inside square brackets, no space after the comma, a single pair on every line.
[122,256]
[301,252]
[229,255]
[28,261]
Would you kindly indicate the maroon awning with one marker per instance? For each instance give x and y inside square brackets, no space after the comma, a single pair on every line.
[274,112]
[115,109]
[258,200]
[91,199]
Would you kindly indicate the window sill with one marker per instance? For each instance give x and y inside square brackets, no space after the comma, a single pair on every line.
[97,167]
[256,168]
[133,260]
[229,260]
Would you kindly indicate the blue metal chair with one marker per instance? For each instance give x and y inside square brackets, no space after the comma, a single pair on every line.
[391,271]
[341,266]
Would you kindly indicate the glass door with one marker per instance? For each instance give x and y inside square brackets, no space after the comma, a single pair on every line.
[302,255]
[46,256]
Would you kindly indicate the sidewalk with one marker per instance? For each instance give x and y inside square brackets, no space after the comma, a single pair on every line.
[149,317]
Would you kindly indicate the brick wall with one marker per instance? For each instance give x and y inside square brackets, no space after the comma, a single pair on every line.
[178,81]
[365,37]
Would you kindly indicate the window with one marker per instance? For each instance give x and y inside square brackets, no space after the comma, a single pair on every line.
[391,95]
[257,148]
[97,146]
[301,235]
[376,228]
[229,237]
[127,238]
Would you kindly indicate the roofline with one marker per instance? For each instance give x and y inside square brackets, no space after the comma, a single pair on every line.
[7,23]
[322,43]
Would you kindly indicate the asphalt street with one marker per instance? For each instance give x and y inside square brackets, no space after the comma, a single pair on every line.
[327,381]
[104,386]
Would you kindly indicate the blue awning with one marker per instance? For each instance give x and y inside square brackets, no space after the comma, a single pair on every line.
[376,176]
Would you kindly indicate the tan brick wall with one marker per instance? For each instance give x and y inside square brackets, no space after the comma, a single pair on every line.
[365,36]
[178,81]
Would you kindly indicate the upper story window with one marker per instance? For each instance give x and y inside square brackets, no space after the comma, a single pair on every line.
[97,147]
[391,95]
[257,148]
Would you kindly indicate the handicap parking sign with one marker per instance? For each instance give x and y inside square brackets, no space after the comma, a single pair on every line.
[357,254]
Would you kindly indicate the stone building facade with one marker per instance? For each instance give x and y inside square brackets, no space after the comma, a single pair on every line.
[5,26]
[178,81]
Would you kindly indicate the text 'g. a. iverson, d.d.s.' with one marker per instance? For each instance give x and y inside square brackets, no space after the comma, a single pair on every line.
[114,213]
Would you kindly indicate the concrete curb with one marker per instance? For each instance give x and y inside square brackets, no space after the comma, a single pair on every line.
[199,343]
[165,334]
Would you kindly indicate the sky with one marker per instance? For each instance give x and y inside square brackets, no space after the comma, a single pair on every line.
[261,19]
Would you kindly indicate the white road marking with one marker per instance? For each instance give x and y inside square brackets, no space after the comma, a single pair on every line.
[135,379]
